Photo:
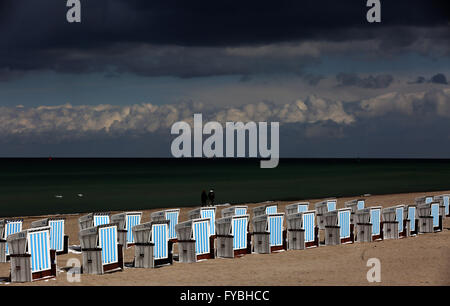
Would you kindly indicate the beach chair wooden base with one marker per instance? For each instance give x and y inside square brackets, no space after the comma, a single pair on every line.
[168,260]
[186,251]
[21,268]
[143,255]
[332,235]
[390,230]
[426,224]
[224,246]
[261,243]
[364,232]
[296,239]
[276,248]
[3,251]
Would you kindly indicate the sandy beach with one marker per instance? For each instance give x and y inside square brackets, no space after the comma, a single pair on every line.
[420,260]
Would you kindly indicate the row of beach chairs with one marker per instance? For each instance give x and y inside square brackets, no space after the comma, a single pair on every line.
[104,237]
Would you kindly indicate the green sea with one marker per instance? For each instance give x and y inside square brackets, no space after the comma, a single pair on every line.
[60,185]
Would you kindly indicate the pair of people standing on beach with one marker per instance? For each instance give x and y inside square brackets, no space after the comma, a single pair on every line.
[208,199]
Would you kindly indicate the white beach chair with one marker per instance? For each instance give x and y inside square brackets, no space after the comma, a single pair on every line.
[310,228]
[205,212]
[403,223]
[169,214]
[411,216]
[31,256]
[8,227]
[194,240]
[363,225]
[232,236]
[354,205]
[390,226]
[445,198]
[125,223]
[338,228]
[58,240]
[100,249]
[152,247]
[93,219]
[235,210]
[296,208]
[268,233]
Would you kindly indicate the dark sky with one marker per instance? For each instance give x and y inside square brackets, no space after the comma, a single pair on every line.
[131,68]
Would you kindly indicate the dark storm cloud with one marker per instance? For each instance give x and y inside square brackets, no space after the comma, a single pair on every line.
[374,82]
[439,79]
[36,35]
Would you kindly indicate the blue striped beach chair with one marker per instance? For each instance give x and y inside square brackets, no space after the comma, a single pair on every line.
[232,236]
[125,223]
[31,256]
[375,219]
[310,228]
[346,232]
[205,212]
[277,238]
[201,234]
[11,226]
[235,210]
[428,199]
[162,250]
[172,215]
[58,240]
[93,219]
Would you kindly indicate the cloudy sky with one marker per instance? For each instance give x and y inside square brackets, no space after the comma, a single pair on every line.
[114,84]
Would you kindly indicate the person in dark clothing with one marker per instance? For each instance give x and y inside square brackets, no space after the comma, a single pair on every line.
[211,197]
[204,198]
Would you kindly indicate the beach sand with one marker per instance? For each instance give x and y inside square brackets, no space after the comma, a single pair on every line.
[420,260]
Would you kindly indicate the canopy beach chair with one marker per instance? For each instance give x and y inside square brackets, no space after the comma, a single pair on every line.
[232,236]
[31,256]
[205,212]
[8,227]
[58,240]
[390,223]
[234,211]
[93,219]
[265,209]
[296,208]
[445,198]
[411,217]
[425,218]
[101,250]
[152,247]
[302,232]
[126,221]
[354,205]
[169,214]
[194,240]
[268,233]
[363,225]
[338,228]
[425,199]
